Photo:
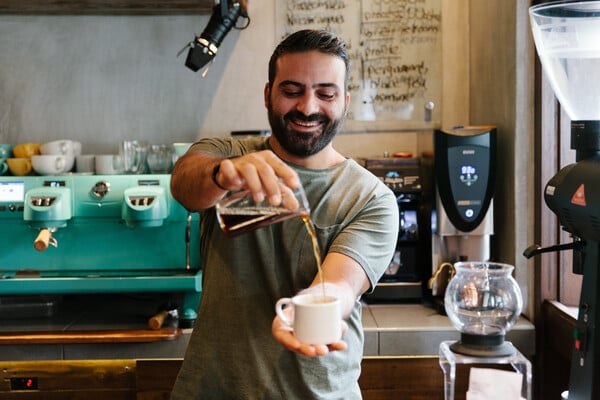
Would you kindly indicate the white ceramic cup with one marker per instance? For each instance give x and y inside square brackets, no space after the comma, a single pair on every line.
[64,147]
[85,163]
[316,319]
[52,164]
[108,164]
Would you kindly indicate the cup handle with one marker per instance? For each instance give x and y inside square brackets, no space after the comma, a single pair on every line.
[279,306]
[3,168]
[60,163]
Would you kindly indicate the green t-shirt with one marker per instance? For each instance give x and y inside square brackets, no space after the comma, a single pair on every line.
[232,354]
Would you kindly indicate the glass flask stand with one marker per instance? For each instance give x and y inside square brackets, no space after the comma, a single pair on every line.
[449,360]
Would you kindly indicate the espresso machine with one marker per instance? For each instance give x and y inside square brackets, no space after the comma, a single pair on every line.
[91,234]
[566,36]
[405,276]
[464,176]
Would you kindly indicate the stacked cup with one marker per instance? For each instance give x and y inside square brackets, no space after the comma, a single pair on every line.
[57,157]
[20,164]
[5,153]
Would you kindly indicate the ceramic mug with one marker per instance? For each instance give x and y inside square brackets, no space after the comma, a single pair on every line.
[26,150]
[6,150]
[3,166]
[52,164]
[19,166]
[64,147]
[85,163]
[108,164]
[316,319]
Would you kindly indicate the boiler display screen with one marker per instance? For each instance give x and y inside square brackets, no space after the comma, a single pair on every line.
[12,191]
[467,170]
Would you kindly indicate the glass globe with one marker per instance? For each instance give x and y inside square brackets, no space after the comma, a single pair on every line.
[483,301]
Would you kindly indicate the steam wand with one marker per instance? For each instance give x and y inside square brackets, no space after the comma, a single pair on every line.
[188,229]
[536,249]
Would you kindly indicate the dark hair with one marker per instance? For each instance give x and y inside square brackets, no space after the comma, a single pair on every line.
[307,40]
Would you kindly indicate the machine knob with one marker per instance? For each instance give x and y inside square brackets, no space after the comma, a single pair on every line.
[101,189]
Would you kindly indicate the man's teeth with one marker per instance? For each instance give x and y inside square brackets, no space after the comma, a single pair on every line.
[306,124]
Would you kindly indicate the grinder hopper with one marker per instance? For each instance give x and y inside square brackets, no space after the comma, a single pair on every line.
[567,36]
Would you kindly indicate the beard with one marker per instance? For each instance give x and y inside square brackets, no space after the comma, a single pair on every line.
[303,144]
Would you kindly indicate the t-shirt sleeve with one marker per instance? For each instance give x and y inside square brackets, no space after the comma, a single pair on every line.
[370,238]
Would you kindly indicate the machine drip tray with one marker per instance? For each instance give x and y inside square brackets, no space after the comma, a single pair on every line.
[33,306]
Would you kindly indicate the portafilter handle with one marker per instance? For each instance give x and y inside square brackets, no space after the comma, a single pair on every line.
[44,239]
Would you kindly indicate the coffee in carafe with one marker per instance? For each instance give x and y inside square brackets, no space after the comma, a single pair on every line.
[239,213]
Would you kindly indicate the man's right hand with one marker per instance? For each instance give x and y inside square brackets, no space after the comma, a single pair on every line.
[262,173]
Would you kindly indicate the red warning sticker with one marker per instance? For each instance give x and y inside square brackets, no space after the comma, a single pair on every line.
[579,196]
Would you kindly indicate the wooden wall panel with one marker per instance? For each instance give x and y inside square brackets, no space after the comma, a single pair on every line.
[73,379]
[116,7]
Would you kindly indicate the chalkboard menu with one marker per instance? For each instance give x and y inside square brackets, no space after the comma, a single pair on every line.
[395,50]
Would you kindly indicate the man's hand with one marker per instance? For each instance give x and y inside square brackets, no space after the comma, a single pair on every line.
[261,173]
[285,335]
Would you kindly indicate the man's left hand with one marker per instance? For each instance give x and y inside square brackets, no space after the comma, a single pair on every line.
[284,335]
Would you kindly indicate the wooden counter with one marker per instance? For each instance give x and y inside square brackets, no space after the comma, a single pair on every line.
[88,328]
[401,353]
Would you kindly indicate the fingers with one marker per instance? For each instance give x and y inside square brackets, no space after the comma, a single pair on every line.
[262,174]
[285,336]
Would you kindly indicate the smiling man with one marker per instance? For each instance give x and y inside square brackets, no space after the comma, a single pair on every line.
[239,349]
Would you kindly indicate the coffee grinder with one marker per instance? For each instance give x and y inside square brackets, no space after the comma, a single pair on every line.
[566,36]
[464,175]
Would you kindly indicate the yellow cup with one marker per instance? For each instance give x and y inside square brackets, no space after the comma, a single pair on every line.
[26,150]
[19,166]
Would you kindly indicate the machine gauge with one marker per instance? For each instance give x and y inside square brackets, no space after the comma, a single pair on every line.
[101,189]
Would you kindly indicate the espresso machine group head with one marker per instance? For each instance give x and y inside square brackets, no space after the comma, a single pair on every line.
[47,208]
[144,206]
[566,38]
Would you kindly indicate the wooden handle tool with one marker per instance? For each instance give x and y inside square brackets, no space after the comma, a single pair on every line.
[42,240]
[156,321]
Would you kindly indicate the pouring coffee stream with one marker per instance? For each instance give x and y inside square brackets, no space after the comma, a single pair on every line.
[239,213]
[310,227]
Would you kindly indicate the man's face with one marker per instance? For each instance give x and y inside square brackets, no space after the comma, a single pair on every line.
[307,102]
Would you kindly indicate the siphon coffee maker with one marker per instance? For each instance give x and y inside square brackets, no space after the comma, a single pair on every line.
[483,301]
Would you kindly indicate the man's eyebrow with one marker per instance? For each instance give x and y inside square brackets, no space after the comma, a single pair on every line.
[290,83]
[317,85]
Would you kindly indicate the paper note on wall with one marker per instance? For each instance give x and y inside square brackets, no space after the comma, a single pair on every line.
[395,51]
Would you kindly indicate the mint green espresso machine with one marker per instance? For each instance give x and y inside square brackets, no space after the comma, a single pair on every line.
[86,234]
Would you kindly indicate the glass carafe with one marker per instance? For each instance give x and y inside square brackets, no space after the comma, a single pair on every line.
[483,301]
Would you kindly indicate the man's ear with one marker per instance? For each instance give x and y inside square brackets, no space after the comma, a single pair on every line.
[266,94]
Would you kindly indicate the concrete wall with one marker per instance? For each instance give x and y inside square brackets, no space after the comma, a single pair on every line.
[101,79]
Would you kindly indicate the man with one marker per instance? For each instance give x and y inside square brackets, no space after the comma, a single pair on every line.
[238,350]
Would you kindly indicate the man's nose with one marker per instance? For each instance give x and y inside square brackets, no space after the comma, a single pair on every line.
[308,104]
